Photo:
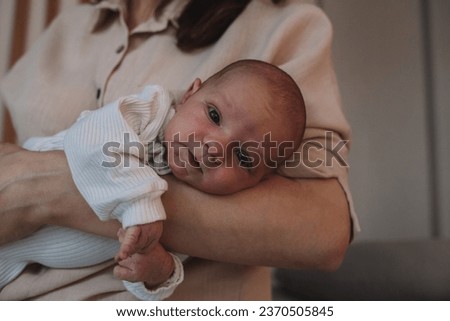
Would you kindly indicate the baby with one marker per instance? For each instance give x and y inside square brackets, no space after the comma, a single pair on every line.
[224,135]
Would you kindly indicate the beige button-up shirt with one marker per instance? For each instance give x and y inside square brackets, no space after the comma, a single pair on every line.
[88,58]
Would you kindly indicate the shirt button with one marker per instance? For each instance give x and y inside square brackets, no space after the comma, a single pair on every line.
[120,49]
[98,93]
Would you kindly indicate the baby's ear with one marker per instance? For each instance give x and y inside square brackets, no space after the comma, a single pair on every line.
[193,88]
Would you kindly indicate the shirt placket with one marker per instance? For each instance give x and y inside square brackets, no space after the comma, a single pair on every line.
[114,52]
[118,45]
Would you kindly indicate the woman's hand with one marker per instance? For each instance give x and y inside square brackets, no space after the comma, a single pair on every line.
[36,188]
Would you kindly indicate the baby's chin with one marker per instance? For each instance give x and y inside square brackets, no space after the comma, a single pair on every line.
[182,174]
[212,188]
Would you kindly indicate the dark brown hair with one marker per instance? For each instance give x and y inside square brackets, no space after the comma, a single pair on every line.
[203,22]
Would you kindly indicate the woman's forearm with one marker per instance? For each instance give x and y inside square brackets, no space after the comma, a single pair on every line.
[282,222]
[36,188]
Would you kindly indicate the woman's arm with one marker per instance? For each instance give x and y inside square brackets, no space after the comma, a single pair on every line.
[281,222]
[36,188]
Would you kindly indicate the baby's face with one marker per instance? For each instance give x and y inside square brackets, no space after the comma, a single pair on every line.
[223,138]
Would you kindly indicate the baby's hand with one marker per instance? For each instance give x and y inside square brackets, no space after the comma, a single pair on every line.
[153,267]
[138,239]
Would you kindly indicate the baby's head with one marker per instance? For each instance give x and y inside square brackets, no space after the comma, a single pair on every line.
[234,129]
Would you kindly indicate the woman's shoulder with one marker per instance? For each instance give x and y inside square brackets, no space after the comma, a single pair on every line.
[293,6]
[288,16]
[291,10]
[76,15]
[287,19]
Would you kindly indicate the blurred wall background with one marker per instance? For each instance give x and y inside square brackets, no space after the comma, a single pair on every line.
[393,64]
[392,60]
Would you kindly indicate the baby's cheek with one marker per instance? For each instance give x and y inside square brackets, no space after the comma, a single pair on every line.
[230,180]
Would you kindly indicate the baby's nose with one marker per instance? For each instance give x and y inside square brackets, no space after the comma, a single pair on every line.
[215,149]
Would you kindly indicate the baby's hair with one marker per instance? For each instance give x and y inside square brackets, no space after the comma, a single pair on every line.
[288,99]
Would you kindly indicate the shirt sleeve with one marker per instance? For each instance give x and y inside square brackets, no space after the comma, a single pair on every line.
[307,56]
[165,290]
[107,154]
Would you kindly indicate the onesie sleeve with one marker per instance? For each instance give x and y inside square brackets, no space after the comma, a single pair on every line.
[46,143]
[107,154]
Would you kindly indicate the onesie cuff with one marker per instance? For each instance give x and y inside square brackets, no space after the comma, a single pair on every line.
[141,211]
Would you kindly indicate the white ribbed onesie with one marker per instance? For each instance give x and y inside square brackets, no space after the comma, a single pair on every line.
[108,153]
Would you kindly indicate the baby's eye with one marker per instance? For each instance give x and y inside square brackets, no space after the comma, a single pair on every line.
[214,115]
[244,160]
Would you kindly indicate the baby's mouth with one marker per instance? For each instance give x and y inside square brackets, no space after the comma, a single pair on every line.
[192,160]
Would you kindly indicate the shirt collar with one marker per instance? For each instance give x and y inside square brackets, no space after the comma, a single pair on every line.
[169,15]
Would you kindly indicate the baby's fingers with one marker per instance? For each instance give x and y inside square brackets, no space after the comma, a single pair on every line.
[123,272]
[120,234]
[129,242]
